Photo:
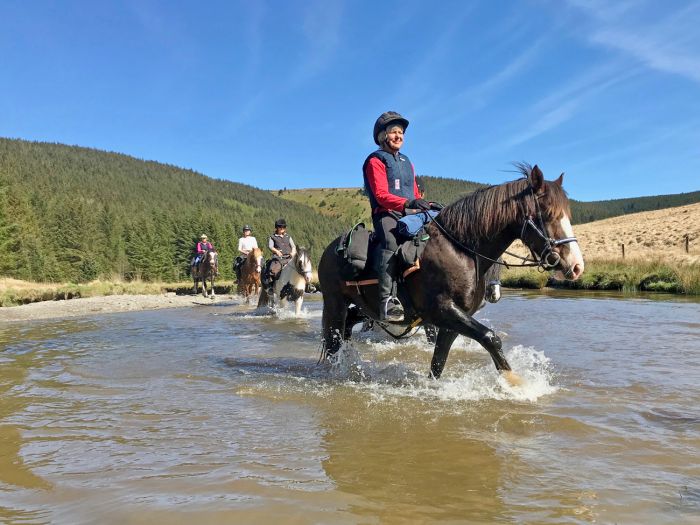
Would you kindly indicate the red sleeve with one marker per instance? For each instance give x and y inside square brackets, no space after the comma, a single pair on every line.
[376,178]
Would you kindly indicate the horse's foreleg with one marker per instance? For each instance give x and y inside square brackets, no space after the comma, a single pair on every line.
[443,343]
[333,325]
[297,307]
[453,318]
[194,286]
[264,299]
[213,292]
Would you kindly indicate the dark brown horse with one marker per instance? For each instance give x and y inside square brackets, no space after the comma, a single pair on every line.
[251,269]
[207,269]
[466,239]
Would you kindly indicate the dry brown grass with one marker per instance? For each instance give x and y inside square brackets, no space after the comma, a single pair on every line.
[648,236]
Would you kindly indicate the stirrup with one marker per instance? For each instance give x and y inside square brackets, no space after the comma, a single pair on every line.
[391,310]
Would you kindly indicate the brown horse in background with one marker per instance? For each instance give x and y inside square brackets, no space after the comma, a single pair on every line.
[249,283]
[207,269]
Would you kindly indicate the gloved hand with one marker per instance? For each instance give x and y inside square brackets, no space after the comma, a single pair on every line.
[418,204]
[436,206]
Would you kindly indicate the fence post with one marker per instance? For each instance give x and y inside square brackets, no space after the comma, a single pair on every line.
[623,250]
[687,240]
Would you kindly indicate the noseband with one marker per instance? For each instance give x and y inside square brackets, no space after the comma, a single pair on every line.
[548,258]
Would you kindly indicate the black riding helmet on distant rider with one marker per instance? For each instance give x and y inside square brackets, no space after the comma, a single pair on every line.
[382,123]
[280,223]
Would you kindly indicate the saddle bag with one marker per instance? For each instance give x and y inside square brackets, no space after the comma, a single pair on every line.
[353,251]
[410,225]
[411,250]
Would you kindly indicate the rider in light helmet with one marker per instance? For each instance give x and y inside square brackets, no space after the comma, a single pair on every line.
[202,246]
[246,244]
[390,182]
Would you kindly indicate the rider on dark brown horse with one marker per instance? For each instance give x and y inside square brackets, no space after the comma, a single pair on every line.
[245,245]
[390,183]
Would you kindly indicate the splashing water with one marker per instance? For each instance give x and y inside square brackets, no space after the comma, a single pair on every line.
[470,384]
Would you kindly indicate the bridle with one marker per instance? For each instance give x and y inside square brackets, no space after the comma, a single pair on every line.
[213,258]
[546,260]
[298,266]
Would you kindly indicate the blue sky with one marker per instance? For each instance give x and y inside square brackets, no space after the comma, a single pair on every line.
[285,93]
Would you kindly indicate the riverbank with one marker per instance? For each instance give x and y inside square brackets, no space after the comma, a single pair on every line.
[14,292]
[104,304]
[619,275]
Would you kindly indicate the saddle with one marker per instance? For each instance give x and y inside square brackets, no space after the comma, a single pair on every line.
[359,248]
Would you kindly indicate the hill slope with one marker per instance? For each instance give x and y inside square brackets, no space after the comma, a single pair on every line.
[350,204]
[647,236]
[658,234]
[72,213]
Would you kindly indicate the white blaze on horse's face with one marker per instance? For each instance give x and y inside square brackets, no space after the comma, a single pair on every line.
[258,264]
[304,265]
[570,253]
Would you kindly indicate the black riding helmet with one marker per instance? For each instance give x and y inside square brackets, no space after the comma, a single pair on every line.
[280,223]
[383,122]
[246,227]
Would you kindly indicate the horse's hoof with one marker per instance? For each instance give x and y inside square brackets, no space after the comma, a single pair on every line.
[512,378]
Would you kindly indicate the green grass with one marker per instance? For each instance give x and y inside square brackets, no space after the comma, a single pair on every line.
[628,276]
[347,204]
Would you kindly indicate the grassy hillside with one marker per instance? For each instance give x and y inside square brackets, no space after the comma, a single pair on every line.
[350,204]
[74,214]
[347,205]
[655,256]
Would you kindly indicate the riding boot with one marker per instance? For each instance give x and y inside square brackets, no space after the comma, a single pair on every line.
[390,308]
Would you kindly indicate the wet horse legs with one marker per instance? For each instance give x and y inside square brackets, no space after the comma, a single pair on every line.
[455,321]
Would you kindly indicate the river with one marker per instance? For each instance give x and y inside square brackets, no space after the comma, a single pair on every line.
[214,414]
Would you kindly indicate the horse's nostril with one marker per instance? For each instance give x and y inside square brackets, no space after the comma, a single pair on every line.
[577,270]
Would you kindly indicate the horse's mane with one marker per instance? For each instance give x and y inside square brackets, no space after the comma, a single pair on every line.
[487,211]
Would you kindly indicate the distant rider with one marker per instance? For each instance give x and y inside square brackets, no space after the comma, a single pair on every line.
[246,244]
[283,250]
[202,246]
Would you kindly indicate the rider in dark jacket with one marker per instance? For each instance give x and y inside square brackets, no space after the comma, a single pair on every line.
[390,183]
[282,247]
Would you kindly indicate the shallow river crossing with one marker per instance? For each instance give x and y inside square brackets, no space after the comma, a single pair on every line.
[214,414]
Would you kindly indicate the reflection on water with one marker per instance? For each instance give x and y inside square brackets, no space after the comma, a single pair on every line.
[221,415]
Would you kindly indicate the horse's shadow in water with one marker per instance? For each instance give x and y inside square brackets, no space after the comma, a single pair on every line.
[347,367]
[278,366]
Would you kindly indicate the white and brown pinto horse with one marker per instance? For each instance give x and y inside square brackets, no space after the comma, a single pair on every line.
[466,239]
[207,269]
[291,283]
[251,270]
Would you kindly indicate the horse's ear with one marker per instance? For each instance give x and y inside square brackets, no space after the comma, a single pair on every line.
[536,178]
[560,180]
